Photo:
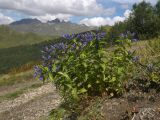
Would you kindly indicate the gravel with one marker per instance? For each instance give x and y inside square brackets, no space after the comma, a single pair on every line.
[31,105]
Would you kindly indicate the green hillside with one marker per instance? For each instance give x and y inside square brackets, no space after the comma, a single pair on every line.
[10,38]
[20,49]
[21,56]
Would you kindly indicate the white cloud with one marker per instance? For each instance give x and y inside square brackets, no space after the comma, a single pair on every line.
[96,21]
[134,1]
[54,7]
[48,17]
[5,19]
[99,21]
[127,13]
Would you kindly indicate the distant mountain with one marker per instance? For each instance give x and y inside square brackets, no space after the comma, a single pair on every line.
[26,21]
[55,21]
[54,27]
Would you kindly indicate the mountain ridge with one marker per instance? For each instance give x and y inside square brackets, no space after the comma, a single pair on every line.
[54,27]
[26,21]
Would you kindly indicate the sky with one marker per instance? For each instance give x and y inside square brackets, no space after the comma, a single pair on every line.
[88,12]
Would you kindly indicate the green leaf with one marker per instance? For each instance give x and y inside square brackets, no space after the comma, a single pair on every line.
[102,52]
[74,93]
[84,64]
[113,79]
[97,81]
[96,66]
[51,77]
[89,86]
[103,66]
[86,76]
[120,71]
[82,55]
[69,86]
[83,90]
[65,75]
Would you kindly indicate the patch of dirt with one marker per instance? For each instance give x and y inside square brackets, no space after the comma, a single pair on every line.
[8,89]
[31,105]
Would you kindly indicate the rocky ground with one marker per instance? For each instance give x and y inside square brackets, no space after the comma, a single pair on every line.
[140,102]
[132,108]
[32,105]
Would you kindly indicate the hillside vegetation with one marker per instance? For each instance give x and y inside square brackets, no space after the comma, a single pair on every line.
[10,38]
[18,49]
[22,57]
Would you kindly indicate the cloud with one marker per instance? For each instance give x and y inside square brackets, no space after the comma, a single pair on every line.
[109,11]
[5,19]
[134,1]
[127,13]
[96,21]
[125,5]
[47,17]
[100,21]
[55,7]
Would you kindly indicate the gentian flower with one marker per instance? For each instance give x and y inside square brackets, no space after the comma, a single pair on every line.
[69,37]
[41,77]
[38,71]
[135,59]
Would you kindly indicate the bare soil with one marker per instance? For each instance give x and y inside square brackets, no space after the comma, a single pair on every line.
[32,105]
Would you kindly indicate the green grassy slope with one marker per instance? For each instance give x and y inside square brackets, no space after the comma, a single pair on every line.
[10,38]
[18,49]
[13,85]
[16,57]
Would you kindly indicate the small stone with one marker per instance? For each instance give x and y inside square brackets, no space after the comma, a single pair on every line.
[151,98]
[125,116]
[135,110]
[132,98]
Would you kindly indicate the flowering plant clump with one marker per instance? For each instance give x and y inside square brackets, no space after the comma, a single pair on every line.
[149,71]
[82,65]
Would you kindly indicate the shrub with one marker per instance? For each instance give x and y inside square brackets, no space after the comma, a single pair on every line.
[84,66]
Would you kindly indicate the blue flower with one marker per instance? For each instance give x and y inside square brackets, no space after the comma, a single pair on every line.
[41,77]
[38,71]
[46,58]
[69,37]
[135,59]
[51,52]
